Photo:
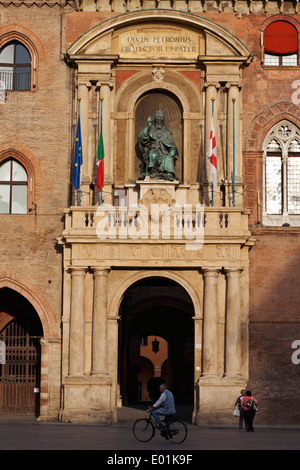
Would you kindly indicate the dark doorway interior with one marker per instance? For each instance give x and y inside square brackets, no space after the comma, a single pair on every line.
[160,308]
[20,333]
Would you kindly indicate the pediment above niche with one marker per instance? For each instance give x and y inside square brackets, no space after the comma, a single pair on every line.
[156,41]
[158,34]
[216,46]
[100,45]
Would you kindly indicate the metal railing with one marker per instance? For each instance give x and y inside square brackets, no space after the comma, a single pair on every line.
[15,80]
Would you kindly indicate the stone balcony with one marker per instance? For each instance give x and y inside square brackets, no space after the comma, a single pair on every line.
[161,224]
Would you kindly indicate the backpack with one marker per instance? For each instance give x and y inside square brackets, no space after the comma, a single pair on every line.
[251,405]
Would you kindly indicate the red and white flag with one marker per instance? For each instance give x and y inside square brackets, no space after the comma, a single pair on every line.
[212,155]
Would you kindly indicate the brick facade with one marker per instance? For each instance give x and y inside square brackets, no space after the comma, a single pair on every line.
[38,128]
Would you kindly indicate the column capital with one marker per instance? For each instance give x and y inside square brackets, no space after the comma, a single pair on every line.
[77,270]
[233,84]
[232,271]
[105,82]
[212,84]
[210,271]
[100,270]
[83,82]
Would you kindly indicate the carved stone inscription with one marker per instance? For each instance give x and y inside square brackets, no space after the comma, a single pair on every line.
[159,43]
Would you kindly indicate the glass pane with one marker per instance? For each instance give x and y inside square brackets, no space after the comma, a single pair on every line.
[294,185]
[290,60]
[5,171]
[294,146]
[6,75]
[273,185]
[7,55]
[22,55]
[271,59]
[18,172]
[273,146]
[4,198]
[22,78]
[19,199]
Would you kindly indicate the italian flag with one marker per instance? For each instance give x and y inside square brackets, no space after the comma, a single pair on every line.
[100,157]
[100,163]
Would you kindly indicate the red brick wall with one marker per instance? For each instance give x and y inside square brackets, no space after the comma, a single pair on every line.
[275,325]
[37,125]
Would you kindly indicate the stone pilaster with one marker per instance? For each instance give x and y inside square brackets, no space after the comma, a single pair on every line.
[233,323]
[76,344]
[99,340]
[210,322]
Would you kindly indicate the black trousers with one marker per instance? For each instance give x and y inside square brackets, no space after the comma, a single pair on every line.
[249,417]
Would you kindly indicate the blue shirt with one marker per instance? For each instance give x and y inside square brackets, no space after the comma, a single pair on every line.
[166,403]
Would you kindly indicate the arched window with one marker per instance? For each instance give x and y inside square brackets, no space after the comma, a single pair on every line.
[15,66]
[281,175]
[13,188]
[281,44]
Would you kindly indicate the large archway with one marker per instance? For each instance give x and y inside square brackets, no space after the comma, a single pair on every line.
[159,310]
[20,367]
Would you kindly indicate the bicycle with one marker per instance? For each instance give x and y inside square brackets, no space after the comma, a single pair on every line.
[173,429]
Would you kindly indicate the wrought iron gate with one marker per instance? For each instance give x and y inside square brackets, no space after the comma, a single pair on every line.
[20,375]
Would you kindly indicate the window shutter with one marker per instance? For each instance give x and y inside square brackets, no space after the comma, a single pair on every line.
[281,37]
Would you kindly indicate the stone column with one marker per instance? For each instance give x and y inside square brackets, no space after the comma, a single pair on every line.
[285,218]
[233,323]
[210,95]
[233,103]
[210,101]
[210,322]
[105,94]
[99,331]
[76,348]
[83,95]
[233,94]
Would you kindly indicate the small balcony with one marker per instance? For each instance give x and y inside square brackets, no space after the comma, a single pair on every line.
[162,223]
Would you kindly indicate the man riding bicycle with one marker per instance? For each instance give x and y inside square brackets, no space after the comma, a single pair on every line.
[165,405]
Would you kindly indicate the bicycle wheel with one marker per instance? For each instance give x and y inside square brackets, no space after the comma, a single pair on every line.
[143,430]
[177,431]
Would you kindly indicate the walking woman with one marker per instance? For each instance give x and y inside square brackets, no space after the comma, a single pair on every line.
[249,412]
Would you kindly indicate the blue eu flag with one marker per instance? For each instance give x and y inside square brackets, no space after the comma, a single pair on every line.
[77,156]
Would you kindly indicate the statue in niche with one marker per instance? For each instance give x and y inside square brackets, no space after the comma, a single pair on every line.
[159,151]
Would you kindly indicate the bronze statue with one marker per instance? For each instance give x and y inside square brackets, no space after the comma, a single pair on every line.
[159,149]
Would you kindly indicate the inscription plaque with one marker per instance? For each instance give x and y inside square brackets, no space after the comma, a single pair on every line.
[159,43]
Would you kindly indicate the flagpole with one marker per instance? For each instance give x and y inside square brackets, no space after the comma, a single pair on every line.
[212,184]
[79,191]
[233,155]
[101,113]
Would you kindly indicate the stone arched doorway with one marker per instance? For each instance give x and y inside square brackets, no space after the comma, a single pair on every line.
[158,309]
[20,368]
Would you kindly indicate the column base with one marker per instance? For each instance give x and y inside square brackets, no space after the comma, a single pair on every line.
[217,396]
[87,399]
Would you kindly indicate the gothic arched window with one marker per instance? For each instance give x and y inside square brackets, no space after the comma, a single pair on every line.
[13,188]
[281,175]
[15,66]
